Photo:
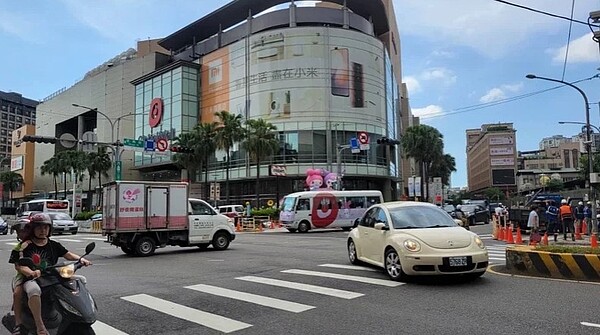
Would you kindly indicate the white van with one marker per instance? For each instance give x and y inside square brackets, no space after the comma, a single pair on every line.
[303,211]
[43,205]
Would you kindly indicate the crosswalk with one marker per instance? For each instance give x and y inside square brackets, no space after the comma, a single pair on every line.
[12,241]
[497,254]
[366,276]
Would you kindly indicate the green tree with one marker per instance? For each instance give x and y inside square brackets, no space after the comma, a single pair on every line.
[260,143]
[229,132]
[494,194]
[53,166]
[189,162]
[555,185]
[11,181]
[102,163]
[443,167]
[583,165]
[424,144]
[205,147]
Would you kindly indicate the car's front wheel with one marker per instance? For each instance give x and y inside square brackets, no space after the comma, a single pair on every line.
[352,254]
[220,241]
[393,268]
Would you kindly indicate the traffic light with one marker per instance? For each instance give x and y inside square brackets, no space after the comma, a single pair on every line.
[181,150]
[39,139]
[387,141]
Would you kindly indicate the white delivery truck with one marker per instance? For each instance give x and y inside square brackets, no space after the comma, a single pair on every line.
[139,216]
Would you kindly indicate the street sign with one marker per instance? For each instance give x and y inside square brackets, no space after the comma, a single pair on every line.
[363,139]
[67,140]
[128,142]
[150,146]
[162,144]
[354,145]
[89,138]
[118,170]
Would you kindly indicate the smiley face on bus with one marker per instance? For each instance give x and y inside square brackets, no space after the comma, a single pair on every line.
[324,210]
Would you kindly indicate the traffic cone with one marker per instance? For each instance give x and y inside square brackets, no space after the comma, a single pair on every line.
[584,228]
[509,236]
[238,226]
[260,227]
[519,239]
[594,241]
[578,234]
[272,225]
[545,239]
[500,233]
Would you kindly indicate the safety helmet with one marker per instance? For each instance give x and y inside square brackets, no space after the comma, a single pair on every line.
[458,206]
[563,201]
[589,202]
[580,203]
[39,219]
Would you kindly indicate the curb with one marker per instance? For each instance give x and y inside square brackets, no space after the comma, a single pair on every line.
[526,260]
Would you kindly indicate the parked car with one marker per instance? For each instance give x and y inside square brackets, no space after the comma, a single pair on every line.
[476,213]
[415,238]
[450,209]
[231,211]
[63,223]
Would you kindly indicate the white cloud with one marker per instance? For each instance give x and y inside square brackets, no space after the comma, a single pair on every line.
[439,74]
[498,93]
[443,54]
[581,50]
[489,27]
[412,84]
[429,111]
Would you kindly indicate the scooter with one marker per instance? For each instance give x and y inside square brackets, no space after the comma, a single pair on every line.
[68,308]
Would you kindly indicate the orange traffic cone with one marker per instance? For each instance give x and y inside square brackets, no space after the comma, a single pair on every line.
[545,239]
[578,234]
[238,226]
[260,227]
[500,233]
[519,239]
[272,225]
[584,228]
[594,241]
[509,236]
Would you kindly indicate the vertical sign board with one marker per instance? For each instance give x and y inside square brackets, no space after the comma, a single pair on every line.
[411,186]
[354,145]
[417,186]
[437,191]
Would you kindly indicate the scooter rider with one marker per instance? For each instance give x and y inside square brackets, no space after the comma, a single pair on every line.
[44,252]
[459,214]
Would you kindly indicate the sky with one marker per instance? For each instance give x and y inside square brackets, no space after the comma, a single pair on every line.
[464,61]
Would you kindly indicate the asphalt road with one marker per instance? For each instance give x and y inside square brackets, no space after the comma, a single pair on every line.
[283,283]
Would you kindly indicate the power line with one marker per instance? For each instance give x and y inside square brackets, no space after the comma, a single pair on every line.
[568,41]
[545,13]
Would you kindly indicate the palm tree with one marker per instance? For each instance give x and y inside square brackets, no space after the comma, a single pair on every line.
[52,167]
[423,143]
[205,147]
[260,143]
[190,162]
[63,167]
[11,181]
[443,167]
[102,164]
[229,132]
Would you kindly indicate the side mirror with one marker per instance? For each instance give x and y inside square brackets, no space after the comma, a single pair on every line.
[381,226]
[90,247]
[356,222]
[26,261]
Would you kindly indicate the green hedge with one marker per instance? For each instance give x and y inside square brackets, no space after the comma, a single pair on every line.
[565,249]
[85,215]
[266,211]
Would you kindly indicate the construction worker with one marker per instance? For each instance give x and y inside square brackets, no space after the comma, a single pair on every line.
[587,216]
[579,216]
[552,218]
[566,217]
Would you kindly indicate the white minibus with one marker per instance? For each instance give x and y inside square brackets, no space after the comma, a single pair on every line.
[44,205]
[307,210]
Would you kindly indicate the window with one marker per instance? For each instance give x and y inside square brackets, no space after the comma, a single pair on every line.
[11,118]
[355,202]
[373,201]
[381,217]
[303,205]
[4,116]
[369,219]
[200,208]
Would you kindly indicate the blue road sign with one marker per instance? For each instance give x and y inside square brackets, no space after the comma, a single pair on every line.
[354,146]
[149,145]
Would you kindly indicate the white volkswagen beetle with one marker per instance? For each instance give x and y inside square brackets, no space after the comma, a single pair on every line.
[415,238]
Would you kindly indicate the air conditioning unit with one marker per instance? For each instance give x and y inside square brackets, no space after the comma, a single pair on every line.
[595,178]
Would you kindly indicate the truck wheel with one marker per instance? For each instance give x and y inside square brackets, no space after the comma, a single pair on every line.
[220,241]
[303,227]
[145,246]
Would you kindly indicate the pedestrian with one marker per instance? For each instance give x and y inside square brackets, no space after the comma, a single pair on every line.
[587,216]
[579,216]
[552,218]
[565,213]
[533,223]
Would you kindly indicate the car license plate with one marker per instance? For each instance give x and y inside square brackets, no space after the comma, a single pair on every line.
[458,261]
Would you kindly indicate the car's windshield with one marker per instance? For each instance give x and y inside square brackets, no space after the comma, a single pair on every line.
[449,208]
[288,204]
[59,216]
[469,208]
[408,217]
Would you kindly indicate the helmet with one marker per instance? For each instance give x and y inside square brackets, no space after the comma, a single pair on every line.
[580,203]
[458,206]
[39,219]
[589,202]
[563,201]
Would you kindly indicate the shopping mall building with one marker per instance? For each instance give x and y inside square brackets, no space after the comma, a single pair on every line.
[321,75]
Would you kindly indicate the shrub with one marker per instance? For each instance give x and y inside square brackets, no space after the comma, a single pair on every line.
[266,211]
[85,215]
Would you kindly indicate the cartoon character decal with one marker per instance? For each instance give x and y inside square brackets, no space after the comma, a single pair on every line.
[314,180]
[324,210]
[130,195]
[330,179]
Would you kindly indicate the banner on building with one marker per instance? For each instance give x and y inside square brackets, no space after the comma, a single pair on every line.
[508,161]
[501,151]
[501,140]
[411,186]
[417,186]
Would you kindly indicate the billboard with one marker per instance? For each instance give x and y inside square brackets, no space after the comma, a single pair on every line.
[501,151]
[300,74]
[503,177]
[503,161]
[501,140]
[16,163]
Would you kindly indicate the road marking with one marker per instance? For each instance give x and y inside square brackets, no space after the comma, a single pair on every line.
[366,280]
[252,298]
[497,259]
[12,243]
[587,324]
[332,292]
[216,322]
[104,329]
[68,240]
[349,267]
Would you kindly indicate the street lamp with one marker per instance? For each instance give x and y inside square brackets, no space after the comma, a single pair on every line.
[114,144]
[588,136]
[582,123]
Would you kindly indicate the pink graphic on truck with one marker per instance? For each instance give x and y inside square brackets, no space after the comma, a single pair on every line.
[131,195]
